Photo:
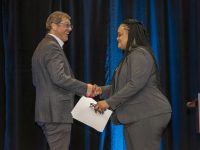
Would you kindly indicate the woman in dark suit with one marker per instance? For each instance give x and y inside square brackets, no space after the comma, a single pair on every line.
[135,95]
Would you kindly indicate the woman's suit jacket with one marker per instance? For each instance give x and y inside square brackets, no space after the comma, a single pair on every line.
[54,82]
[134,93]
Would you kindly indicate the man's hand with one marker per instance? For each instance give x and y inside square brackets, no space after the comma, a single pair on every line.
[90,89]
[93,90]
[97,91]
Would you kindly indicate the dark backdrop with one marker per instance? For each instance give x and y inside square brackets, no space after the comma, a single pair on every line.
[173,24]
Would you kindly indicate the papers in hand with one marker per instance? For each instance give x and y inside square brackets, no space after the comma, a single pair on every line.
[86,114]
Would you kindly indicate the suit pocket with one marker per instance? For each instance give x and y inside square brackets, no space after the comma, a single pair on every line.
[64,106]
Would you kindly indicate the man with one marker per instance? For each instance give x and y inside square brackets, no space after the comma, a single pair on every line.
[55,83]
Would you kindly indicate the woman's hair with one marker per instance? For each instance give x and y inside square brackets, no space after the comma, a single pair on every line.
[137,34]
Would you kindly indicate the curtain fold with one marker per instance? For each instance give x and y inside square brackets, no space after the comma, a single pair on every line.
[114,56]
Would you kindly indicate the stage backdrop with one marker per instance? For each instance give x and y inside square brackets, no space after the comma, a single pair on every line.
[174,28]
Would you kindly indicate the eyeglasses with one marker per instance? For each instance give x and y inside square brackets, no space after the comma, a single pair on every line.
[67,25]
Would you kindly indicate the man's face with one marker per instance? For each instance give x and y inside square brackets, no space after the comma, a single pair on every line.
[122,37]
[62,29]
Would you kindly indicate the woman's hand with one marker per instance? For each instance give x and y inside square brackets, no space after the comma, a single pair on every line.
[101,106]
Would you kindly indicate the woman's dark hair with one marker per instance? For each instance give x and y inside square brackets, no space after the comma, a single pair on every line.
[137,34]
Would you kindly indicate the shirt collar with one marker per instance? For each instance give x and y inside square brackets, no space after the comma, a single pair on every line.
[61,43]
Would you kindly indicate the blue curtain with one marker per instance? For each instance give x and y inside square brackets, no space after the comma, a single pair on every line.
[174,51]
[169,47]
[93,54]
[114,56]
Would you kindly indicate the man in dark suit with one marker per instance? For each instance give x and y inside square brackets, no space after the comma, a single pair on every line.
[55,83]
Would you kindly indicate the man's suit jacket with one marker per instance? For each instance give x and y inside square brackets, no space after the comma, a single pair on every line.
[54,82]
[134,93]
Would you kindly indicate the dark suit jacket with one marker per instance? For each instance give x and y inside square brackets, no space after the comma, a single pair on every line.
[54,82]
[135,94]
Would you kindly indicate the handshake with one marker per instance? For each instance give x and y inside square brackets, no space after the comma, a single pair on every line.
[93,90]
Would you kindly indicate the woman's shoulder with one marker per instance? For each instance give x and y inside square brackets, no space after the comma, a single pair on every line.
[142,49]
[141,52]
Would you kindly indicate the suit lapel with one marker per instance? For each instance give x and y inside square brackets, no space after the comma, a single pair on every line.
[61,49]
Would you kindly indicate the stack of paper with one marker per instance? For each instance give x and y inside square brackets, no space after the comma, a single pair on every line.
[86,114]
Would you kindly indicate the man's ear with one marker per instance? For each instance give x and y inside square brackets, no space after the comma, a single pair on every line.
[53,26]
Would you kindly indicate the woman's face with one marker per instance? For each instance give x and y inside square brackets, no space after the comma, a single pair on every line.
[122,37]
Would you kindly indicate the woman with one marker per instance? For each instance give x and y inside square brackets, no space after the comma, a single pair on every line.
[134,95]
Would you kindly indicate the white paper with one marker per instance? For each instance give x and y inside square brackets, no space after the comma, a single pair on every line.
[86,114]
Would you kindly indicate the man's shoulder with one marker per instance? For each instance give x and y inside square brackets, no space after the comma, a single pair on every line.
[47,43]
